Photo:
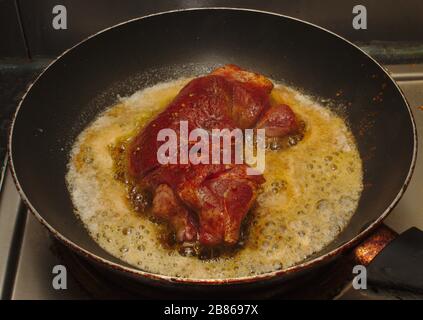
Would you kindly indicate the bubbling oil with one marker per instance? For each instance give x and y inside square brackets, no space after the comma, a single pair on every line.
[311,191]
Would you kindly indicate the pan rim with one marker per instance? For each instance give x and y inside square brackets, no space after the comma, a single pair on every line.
[214,281]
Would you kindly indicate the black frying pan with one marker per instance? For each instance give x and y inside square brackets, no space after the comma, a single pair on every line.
[86,79]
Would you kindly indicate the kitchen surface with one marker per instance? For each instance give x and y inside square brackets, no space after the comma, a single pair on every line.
[28,253]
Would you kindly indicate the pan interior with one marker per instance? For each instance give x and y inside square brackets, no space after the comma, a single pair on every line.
[132,56]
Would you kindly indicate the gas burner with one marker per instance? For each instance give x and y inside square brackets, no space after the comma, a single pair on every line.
[104,284]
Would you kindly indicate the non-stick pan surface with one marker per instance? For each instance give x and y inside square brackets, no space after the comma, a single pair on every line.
[128,57]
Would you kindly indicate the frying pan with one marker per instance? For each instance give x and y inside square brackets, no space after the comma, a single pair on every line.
[86,79]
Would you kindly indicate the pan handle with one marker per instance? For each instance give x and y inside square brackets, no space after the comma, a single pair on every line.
[394,262]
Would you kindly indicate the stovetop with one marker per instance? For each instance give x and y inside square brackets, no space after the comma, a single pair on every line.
[29,253]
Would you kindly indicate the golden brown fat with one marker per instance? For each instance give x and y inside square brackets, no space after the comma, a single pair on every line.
[310,194]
